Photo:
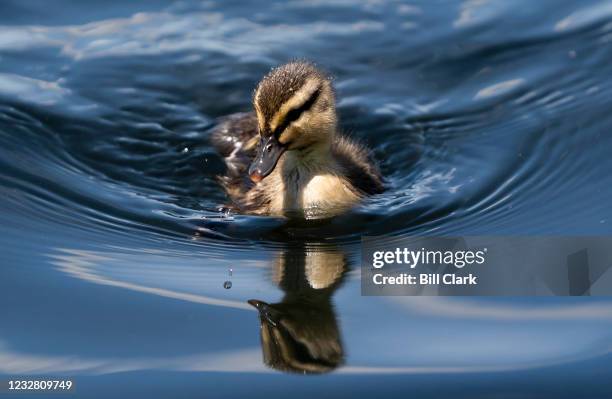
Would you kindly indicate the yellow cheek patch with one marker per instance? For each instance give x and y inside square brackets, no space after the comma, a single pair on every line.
[286,136]
[252,143]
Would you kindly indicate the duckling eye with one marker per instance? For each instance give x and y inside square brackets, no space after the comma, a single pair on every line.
[294,114]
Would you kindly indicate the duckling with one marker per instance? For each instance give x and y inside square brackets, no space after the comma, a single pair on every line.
[288,158]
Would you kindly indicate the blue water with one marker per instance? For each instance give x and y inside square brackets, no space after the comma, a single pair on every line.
[487,117]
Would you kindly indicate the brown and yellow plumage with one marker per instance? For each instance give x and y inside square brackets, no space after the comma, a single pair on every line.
[297,162]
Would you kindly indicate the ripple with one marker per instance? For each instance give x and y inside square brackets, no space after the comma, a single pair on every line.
[116,153]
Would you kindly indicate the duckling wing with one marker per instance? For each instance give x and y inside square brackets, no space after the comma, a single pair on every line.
[358,166]
[236,139]
[236,134]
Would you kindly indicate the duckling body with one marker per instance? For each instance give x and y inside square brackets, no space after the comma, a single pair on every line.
[287,158]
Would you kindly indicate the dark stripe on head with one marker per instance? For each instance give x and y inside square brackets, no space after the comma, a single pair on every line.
[295,113]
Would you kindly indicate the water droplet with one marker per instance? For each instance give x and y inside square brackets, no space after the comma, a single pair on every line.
[230,272]
[185,150]
[227,285]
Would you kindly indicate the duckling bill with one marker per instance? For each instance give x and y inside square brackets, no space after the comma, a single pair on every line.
[288,158]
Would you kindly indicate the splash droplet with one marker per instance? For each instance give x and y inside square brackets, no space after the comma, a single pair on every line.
[227,285]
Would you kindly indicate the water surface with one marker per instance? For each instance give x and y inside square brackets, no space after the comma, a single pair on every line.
[487,117]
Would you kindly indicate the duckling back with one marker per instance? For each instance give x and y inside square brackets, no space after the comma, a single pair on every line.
[357,166]
[235,138]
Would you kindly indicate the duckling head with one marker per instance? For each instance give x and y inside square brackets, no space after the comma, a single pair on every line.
[296,111]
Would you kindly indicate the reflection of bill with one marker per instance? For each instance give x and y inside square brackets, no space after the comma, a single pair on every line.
[300,333]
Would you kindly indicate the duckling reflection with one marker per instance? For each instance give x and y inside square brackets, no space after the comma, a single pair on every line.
[300,334]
